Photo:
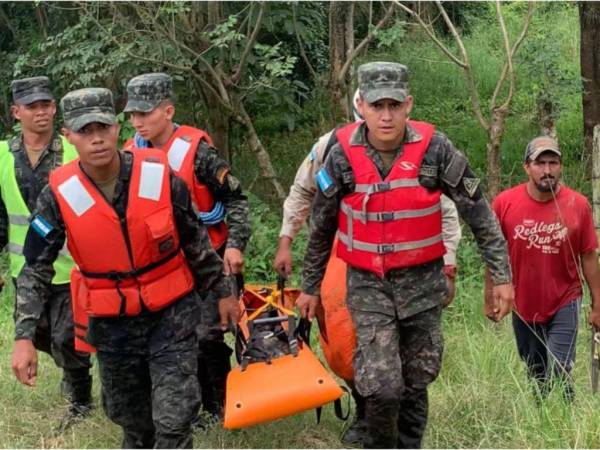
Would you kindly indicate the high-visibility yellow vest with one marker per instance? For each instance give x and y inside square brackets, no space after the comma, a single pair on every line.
[18,214]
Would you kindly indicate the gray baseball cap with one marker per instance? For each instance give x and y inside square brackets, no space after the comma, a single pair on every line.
[29,90]
[379,80]
[539,145]
[85,106]
[145,92]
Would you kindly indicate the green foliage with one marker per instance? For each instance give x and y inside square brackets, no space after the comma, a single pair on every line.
[263,244]
[79,56]
[225,34]
[389,36]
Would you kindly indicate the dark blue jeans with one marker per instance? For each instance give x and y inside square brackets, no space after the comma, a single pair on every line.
[548,349]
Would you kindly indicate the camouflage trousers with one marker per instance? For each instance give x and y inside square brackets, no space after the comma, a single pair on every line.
[213,357]
[154,396]
[399,349]
[55,336]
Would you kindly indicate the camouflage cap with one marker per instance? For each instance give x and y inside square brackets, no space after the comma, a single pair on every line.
[29,90]
[145,92]
[85,106]
[539,145]
[379,80]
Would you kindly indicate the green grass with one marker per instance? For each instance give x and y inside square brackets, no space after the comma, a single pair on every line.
[481,398]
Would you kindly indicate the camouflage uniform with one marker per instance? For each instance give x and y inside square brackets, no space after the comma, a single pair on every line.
[397,318]
[54,330]
[148,363]
[145,93]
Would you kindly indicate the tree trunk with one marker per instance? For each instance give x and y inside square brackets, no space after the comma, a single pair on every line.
[266,169]
[341,45]
[589,21]
[41,19]
[494,166]
[219,125]
[596,177]
[8,22]
[547,115]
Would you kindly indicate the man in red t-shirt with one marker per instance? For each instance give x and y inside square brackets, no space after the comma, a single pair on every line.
[551,239]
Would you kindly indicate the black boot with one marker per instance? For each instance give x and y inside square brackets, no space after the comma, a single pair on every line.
[354,435]
[77,388]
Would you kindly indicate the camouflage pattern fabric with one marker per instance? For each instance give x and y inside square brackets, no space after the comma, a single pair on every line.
[379,80]
[213,171]
[399,349]
[214,357]
[85,106]
[153,396]
[29,90]
[146,91]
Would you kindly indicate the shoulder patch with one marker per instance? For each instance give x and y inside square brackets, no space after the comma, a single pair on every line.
[323,179]
[428,171]
[41,226]
[471,185]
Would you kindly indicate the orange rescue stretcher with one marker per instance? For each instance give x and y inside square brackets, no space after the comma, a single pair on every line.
[278,375]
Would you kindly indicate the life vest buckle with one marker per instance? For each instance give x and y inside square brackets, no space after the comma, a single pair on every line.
[385,248]
[386,216]
[114,275]
[382,187]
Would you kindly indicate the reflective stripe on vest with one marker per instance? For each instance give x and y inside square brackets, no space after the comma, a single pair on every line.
[382,249]
[18,214]
[15,219]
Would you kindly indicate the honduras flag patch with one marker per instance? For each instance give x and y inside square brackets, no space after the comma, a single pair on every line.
[41,226]
[323,179]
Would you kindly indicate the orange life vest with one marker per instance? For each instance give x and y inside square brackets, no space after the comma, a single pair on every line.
[122,263]
[391,223]
[181,149]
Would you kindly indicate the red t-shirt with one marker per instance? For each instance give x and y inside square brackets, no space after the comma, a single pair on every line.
[540,236]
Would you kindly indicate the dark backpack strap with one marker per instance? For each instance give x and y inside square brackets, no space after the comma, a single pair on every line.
[331,141]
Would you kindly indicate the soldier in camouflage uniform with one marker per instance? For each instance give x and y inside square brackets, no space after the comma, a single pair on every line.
[25,163]
[148,362]
[397,312]
[296,209]
[151,107]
